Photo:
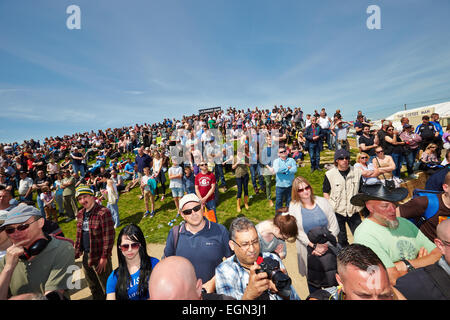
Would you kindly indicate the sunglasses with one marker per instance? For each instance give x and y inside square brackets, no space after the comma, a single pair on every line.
[189,211]
[381,151]
[22,227]
[364,157]
[202,164]
[282,151]
[304,189]
[344,158]
[126,247]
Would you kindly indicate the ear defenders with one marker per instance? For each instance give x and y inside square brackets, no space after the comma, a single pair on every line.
[36,248]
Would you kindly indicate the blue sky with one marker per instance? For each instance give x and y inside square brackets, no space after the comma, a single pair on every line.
[141,61]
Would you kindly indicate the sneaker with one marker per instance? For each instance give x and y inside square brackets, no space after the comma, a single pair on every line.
[162,198]
[146,214]
[152,214]
[141,197]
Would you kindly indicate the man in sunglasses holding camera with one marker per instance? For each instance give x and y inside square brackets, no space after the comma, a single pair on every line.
[35,262]
[202,242]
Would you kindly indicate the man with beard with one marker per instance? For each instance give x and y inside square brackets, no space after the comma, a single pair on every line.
[399,244]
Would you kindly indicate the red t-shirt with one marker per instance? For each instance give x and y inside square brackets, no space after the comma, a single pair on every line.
[204,183]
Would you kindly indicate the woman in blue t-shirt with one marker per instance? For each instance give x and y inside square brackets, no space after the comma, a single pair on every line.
[130,280]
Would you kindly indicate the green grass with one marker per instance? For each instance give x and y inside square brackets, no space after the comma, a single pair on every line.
[131,209]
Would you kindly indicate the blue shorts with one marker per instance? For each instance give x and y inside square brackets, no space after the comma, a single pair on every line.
[177,192]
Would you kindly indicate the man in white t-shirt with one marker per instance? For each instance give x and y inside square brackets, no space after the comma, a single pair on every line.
[324,122]
[25,187]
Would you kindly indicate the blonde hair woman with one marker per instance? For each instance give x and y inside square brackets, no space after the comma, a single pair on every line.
[310,212]
[369,173]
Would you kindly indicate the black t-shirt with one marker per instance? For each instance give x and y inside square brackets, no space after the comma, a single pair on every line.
[392,148]
[368,142]
[77,154]
[40,181]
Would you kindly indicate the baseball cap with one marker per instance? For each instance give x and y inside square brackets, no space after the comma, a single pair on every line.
[83,189]
[191,197]
[20,214]
[341,153]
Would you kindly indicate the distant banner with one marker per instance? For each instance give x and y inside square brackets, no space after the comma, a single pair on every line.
[415,113]
[209,110]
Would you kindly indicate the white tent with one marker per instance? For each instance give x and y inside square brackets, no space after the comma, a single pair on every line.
[415,115]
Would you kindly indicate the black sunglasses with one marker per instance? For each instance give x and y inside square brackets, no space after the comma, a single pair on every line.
[22,227]
[344,158]
[189,211]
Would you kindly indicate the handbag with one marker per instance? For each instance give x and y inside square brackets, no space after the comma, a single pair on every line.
[390,184]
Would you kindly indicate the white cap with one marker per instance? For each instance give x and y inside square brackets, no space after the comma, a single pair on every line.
[191,197]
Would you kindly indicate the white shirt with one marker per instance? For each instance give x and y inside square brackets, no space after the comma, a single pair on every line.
[176,183]
[24,185]
[324,123]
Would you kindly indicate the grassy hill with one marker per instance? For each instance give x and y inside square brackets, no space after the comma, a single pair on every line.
[131,209]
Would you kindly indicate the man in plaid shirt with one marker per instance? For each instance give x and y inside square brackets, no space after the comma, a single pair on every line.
[237,277]
[95,240]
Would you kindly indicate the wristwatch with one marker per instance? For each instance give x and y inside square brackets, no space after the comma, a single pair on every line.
[409,266]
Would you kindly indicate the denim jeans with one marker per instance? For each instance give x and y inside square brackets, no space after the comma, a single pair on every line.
[60,203]
[40,205]
[218,171]
[314,154]
[397,157]
[78,168]
[410,160]
[255,172]
[282,194]
[328,137]
[242,183]
[114,208]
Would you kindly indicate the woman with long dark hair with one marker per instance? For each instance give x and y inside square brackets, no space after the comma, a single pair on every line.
[130,280]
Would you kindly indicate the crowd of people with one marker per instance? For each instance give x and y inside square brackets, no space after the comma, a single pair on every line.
[72,176]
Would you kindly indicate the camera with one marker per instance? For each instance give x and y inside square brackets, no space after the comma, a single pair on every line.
[281,280]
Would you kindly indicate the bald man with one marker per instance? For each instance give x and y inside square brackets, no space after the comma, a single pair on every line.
[173,278]
[431,282]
